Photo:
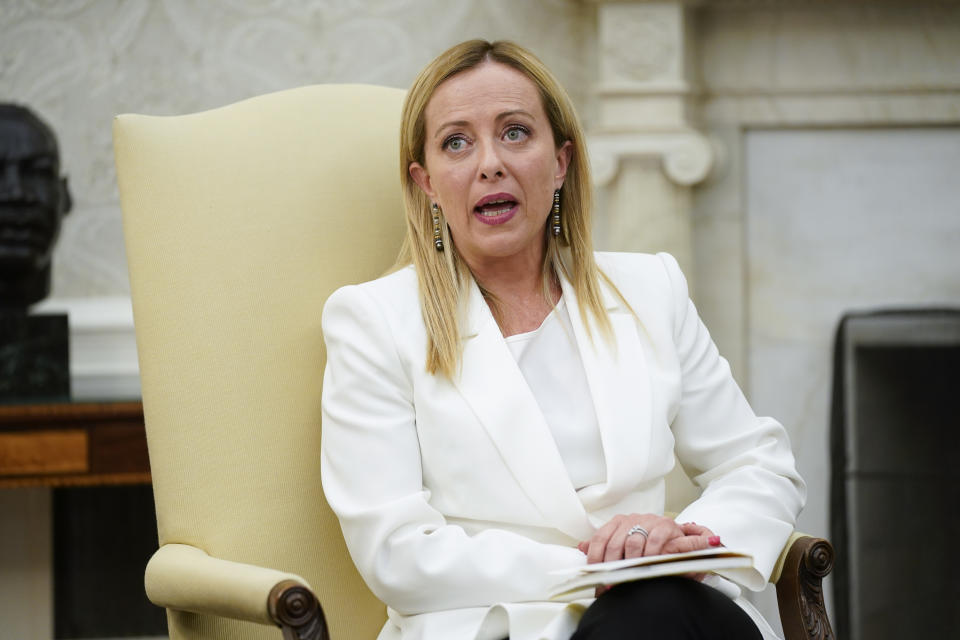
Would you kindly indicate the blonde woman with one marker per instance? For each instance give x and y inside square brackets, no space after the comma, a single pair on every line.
[508,403]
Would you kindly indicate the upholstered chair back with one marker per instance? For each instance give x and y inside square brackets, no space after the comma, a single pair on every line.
[239,222]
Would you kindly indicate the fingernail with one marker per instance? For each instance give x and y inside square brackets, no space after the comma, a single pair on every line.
[714,541]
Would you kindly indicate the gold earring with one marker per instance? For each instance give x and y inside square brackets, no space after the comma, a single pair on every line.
[556,213]
[437,240]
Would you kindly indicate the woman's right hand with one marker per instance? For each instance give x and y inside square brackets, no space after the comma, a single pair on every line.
[614,540]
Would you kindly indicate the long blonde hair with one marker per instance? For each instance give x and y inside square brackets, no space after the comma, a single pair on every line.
[444,276]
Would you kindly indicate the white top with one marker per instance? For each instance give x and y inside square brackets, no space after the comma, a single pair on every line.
[550,362]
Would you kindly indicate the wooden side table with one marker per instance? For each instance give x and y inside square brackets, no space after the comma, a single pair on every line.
[73,444]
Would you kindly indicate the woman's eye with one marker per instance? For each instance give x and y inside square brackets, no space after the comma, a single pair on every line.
[516,133]
[454,143]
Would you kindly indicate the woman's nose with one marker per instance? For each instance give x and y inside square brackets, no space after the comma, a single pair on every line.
[491,165]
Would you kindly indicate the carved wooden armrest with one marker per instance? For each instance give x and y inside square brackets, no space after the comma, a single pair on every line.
[295,609]
[186,578]
[799,575]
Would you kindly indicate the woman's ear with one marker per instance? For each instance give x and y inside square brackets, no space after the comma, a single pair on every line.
[564,153]
[419,174]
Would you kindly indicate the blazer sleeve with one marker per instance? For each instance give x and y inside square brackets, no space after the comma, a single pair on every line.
[409,556]
[752,492]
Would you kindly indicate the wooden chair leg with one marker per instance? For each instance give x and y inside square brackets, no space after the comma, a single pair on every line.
[296,611]
[800,590]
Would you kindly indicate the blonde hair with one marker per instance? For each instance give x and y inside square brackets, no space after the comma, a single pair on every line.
[444,276]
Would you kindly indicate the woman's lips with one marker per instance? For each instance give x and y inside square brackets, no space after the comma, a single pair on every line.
[496,208]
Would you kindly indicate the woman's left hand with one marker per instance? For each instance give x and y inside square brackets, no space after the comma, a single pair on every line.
[695,537]
[614,540]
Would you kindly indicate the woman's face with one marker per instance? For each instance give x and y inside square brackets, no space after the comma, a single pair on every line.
[491,164]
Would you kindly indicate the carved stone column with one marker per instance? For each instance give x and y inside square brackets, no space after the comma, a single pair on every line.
[646,153]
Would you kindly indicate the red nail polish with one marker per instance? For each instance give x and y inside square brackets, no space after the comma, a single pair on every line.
[714,541]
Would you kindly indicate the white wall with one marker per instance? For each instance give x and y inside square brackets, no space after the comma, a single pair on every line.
[26,563]
[781,78]
[837,221]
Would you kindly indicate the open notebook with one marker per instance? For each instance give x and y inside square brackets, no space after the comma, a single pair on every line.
[607,573]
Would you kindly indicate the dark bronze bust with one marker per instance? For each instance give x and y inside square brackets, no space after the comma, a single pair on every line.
[34,360]
[33,200]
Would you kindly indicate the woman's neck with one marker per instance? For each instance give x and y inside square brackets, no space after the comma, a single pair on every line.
[514,293]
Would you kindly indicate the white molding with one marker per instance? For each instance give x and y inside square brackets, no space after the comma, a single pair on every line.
[687,156]
[680,88]
[103,348]
[644,93]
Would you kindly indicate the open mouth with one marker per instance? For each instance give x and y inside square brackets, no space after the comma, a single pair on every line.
[495,204]
[496,207]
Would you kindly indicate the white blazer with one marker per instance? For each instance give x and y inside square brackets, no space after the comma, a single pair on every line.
[454,502]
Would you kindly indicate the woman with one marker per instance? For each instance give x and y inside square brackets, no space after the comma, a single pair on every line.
[508,404]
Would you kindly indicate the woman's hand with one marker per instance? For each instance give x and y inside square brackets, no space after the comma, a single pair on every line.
[614,540]
[695,537]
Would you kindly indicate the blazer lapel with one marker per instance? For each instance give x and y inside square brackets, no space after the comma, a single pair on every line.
[494,387]
[620,387]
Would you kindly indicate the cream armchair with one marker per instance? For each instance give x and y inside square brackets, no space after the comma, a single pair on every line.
[239,222]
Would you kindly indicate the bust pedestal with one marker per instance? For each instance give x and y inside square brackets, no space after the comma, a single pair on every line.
[34,357]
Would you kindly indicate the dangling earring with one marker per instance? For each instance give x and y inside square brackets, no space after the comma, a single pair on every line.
[556,213]
[437,240]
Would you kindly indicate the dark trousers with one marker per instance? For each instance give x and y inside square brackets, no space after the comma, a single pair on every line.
[672,608]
